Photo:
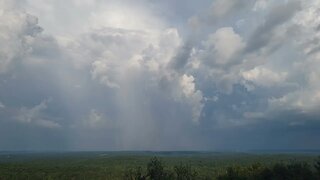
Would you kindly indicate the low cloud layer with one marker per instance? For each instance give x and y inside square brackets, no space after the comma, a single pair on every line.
[142,75]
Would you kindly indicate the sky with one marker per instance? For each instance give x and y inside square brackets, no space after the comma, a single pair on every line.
[113,75]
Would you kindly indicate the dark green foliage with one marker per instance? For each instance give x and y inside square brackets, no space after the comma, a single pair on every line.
[317,166]
[136,174]
[184,172]
[155,169]
[279,171]
[300,171]
[265,174]
[141,166]
[232,173]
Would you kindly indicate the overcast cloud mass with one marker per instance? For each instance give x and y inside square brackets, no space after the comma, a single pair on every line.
[159,75]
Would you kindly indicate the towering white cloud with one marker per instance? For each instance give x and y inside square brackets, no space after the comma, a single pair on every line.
[223,46]
[194,97]
[17,32]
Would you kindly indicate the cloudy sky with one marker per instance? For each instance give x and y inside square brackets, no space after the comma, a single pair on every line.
[159,75]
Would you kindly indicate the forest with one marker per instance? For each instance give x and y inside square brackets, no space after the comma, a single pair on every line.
[279,171]
[159,166]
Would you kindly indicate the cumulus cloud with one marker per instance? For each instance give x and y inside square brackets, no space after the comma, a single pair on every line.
[96,119]
[221,57]
[35,115]
[304,99]
[264,77]
[193,96]
[126,75]
[100,71]
[224,45]
[17,32]
[122,49]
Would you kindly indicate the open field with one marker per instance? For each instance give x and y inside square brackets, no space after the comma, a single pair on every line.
[114,165]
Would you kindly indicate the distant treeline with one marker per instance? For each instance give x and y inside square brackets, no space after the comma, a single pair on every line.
[156,170]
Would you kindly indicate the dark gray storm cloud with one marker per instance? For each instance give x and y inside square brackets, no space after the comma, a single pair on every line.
[159,75]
